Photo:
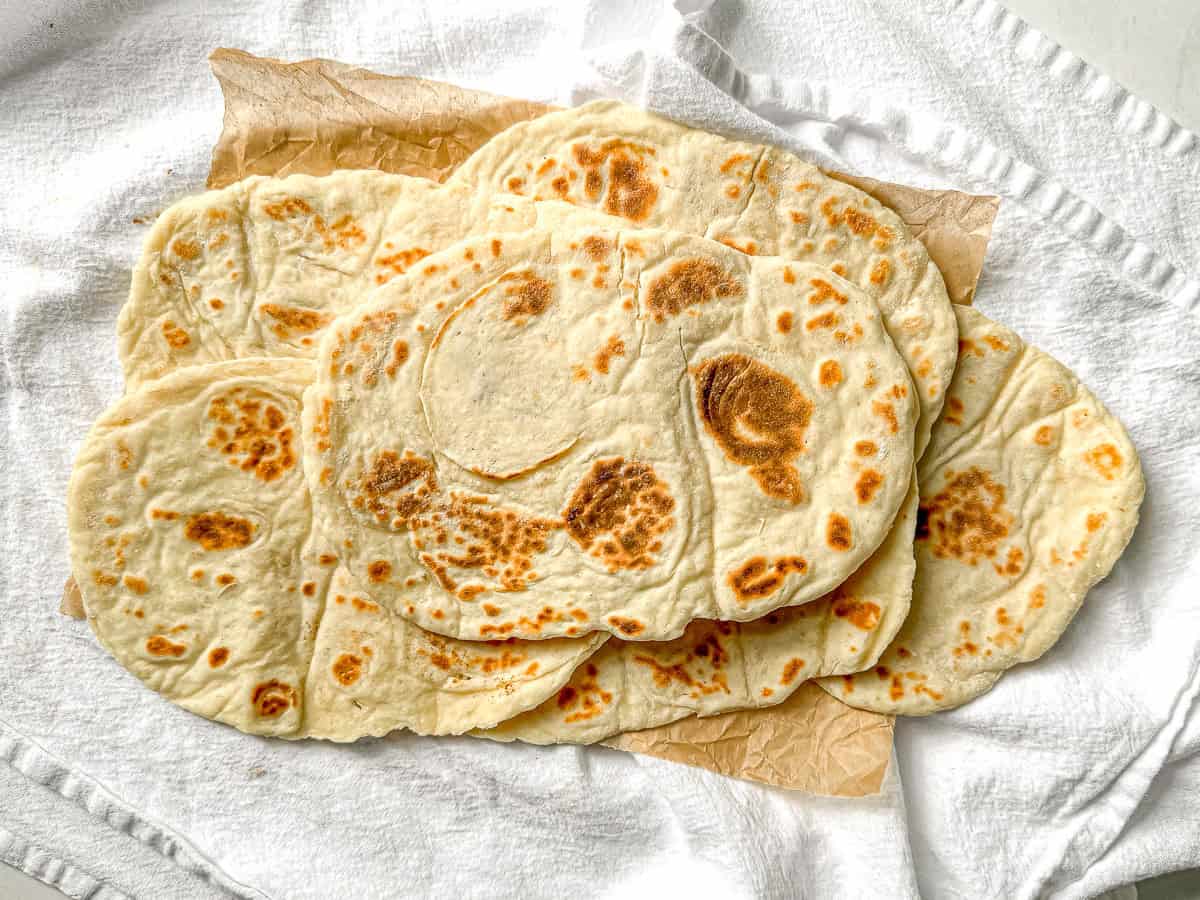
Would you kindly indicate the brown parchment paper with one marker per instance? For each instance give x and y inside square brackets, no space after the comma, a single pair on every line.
[319,115]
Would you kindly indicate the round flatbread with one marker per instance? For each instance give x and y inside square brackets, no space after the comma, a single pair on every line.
[552,433]
[193,544]
[261,267]
[1030,491]
[655,173]
[716,667]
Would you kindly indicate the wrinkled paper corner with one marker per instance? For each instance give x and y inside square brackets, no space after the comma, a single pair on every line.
[811,742]
[318,115]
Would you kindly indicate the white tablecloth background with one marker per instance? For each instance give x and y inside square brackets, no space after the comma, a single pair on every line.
[1072,776]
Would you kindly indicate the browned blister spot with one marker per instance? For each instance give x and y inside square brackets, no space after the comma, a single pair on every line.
[287,208]
[995,343]
[525,295]
[1014,565]
[397,489]
[837,532]
[689,282]
[619,513]
[399,357]
[614,347]
[164,514]
[1105,459]
[184,249]
[365,606]
[861,613]
[309,588]
[698,669]
[272,698]
[380,570]
[824,292]
[459,662]
[784,321]
[868,484]
[175,336]
[927,691]
[294,320]
[888,413]
[865,448]
[583,698]
[748,247]
[343,234]
[735,160]
[793,668]
[253,432]
[830,373]
[967,519]
[825,320]
[157,645]
[398,263]
[217,531]
[631,191]
[1037,597]
[859,223]
[757,416]
[881,272]
[627,627]
[789,277]
[598,248]
[757,578]
[135,584]
[226,579]
[966,345]
[347,669]
[217,657]
[953,412]
[496,539]
[1044,436]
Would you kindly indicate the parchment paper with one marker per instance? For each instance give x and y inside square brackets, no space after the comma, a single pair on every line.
[320,115]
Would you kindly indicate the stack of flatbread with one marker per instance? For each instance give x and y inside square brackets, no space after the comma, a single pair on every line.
[626,422]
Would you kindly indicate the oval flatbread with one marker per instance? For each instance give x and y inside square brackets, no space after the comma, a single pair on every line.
[193,543]
[1030,490]
[552,433]
[655,173]
[261,267]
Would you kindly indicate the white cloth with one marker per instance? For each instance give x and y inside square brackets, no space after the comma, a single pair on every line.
[1073,776]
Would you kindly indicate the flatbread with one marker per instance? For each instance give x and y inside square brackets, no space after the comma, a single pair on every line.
[261,267]
[193,543]
[656,173]
[551,433]
[1030,491]
[716,667]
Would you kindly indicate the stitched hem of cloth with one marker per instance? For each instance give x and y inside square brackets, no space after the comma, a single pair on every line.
[1129,112]
[26,756]
[38,862]
[947,148]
